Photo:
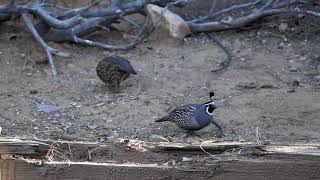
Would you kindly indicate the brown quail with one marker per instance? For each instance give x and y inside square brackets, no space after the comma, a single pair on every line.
[113,70]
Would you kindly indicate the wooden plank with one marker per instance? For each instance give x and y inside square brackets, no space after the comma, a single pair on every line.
[132,159]
[255,169]
[25,148]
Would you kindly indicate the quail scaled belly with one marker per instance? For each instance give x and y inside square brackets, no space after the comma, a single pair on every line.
[193,117]
[113,70]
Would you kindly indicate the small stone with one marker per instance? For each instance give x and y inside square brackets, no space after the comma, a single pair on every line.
[303,58]
[292,90]
[293,69]
[281,46]
[29,74]
[1,52]
[47,108]
[316,78]
[263,41]
[54,122]
[100,104]
[0,130]
[283,27]
[35,128]
[147,102]
[33,92]
[92,127]
[186,159]
[157,138]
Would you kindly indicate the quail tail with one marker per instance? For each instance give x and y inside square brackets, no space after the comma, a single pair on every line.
[162,119]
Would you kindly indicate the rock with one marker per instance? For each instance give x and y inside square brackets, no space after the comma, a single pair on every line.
[47,107]
[291,90]
[33,92]
[185,159]
[157,138]
[283,27]
[281,46]
[170,21]
[100,104]
[92,126]
[293,69]
[316,78]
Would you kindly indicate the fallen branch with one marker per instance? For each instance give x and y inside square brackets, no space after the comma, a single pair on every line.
[65,24]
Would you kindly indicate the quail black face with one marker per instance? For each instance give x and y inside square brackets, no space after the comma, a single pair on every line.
[210,107]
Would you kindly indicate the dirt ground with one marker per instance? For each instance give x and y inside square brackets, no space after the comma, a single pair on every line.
[273,83]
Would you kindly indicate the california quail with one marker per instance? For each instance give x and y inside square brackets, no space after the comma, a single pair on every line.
[113,70]
[193,117]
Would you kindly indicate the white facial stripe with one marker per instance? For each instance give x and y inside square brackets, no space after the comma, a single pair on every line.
[212,103]
[207,110]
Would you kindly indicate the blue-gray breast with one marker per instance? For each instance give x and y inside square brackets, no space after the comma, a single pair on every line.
[193,117]
[113,70]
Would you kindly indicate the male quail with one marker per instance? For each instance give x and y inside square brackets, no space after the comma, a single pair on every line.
[193,117]
[113,70]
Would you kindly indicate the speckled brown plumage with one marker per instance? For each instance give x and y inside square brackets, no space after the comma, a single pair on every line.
[113,70]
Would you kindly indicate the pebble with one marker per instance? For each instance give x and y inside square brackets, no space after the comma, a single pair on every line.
[293,69]
[100,104]
[283,27]
[281,46]
[316,78]
[92,127]
[47,107]
[186,159]
[33,92]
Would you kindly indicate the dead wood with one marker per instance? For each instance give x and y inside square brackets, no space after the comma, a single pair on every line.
[54,22]
[26,148]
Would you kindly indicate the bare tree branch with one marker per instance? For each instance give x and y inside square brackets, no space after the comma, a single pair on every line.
[66,24]
[47,48]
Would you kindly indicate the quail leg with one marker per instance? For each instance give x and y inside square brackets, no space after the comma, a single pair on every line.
[116,87]
[220,129]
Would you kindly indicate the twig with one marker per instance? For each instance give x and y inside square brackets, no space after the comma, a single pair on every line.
[130,21]
[47,49]
[227,10]
[138,39]
[226,63]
